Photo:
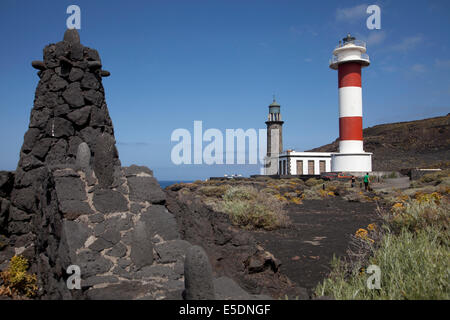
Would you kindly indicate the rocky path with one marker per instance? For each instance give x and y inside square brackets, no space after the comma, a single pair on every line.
[389,184]
[320,229]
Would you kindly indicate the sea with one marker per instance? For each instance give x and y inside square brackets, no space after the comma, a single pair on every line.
[166,183]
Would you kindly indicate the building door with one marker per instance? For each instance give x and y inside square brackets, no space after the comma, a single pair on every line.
[322,166]
[310,167]
[299,167]
[280,168]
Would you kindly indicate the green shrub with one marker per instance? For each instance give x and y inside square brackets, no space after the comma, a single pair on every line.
[251,209]
[240,193]
[435,177]
[413,266]
[310,194]
[214,191]
[270,191]
[417,214]
[413,255]
[313,182]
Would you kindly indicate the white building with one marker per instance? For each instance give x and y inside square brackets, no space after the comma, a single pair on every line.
[304,163]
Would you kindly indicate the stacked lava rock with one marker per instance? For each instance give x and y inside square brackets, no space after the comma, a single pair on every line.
[69,108]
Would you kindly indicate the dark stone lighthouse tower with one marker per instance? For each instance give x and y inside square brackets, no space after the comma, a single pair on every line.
[274,138]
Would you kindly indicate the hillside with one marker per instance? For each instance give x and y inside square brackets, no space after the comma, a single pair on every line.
[420,143]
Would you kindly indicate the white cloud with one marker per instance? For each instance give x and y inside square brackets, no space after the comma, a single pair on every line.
[352,14]
[376,38]
[419,68]
[445,64]
[407,43]
[389,68]
[373,38]
[308,60]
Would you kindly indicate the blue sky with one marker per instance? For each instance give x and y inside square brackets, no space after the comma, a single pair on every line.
[173,62]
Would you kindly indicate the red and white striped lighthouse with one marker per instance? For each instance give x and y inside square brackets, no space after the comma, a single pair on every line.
[349,58]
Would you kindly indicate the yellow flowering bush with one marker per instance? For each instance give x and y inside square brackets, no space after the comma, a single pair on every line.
[428,197]
[296,200]
[397,207]
[16,280]
[363,234]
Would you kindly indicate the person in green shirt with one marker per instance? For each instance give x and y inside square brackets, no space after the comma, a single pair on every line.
[366,181]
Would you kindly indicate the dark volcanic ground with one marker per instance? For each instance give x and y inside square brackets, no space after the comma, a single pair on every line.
[321,229]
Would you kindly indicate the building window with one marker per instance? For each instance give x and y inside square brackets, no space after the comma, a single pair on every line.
[311,167]
[322,166]
[300,167]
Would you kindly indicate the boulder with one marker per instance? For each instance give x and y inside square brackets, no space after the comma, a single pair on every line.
[90,81]
[70,188]
[76,74]
[142,247]
[93,97]
[198,279]
[172,251]
[118,251]
[41,149]
[61,110]
[30,138]
[40,65]
[105,155]
[76,52]
[161,222]
[39,118]
[57,153]
[135,170]
[83,159]
[72,209]
[71,36]
[105,73]
[107,201]
[4,215]
[92,264]
[80,116]
[59,128]
[57,83]
[73,95]
[6,183]
[75,234]
[122,291]
[145,189]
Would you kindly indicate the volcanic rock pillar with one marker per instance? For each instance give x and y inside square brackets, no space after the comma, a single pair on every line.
[69,110]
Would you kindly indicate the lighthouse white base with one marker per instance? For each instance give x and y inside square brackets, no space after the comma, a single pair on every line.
[351,162]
